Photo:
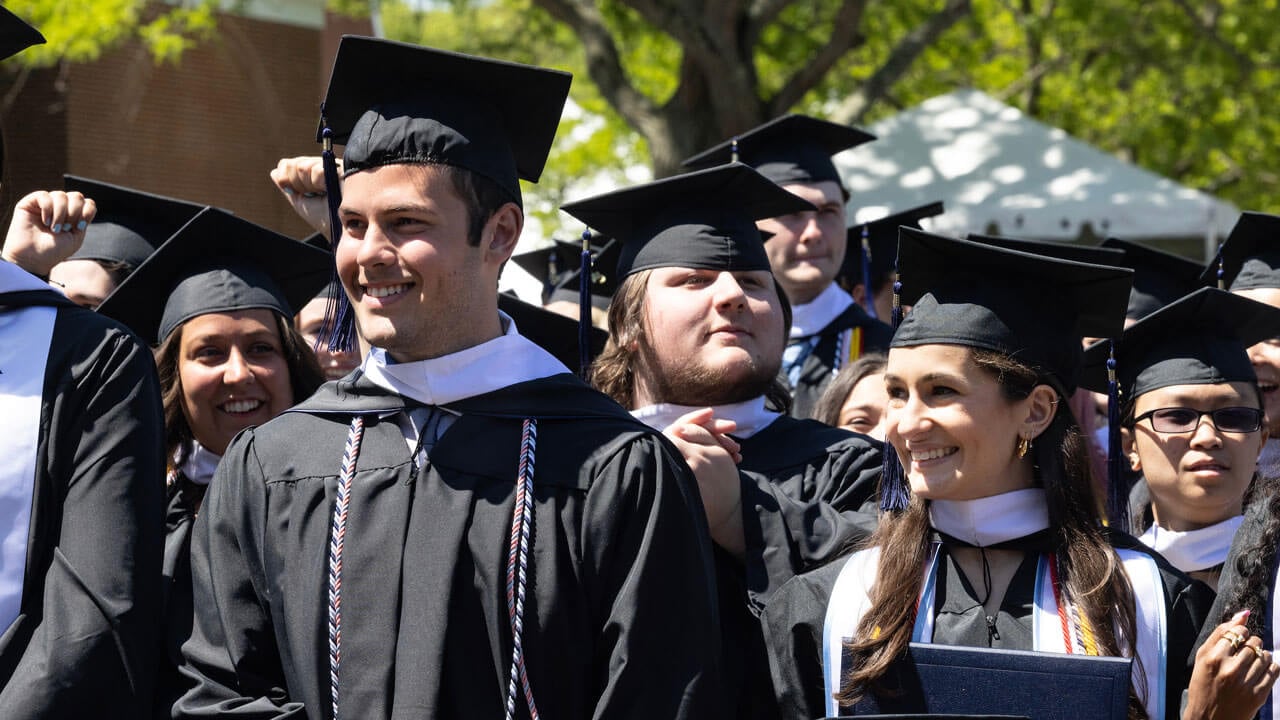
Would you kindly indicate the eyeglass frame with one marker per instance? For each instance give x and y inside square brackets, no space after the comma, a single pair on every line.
[1150,415]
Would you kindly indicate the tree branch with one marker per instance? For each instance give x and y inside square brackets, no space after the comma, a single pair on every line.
[762,12]
[844,37]
[1207,27]
[900,59]
[604,64]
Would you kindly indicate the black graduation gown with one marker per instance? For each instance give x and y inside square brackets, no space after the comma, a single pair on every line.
[184,499]
[793,625]
[818,368]
[85,641]
[803,485]
[620,617]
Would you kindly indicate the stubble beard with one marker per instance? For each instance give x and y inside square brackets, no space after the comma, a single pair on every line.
[685,381]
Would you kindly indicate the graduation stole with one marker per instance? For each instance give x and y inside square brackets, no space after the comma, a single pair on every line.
[848,348]
[1056,622]
[517,562]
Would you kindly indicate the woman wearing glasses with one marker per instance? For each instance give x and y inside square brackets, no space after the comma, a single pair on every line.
[1191,420]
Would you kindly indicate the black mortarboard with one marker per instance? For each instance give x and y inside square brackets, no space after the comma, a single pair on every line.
[704,219]
[557,334]
[604,276]
[1057,250]
[1159,277]
[1033,308]
[789,149]
[550,264]
[130,224]
[1250,257]
[217,263]
[393,103]
[16,34]
[1200,339]
[881,246]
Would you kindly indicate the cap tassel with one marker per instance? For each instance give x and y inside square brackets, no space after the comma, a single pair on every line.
[868,300]
[733,150]
[339,319]
[584,306]
[1221,269]
[895,496]
[1117,493]
[553,273]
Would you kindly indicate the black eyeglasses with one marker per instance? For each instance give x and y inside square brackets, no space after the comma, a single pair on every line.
[1182,420]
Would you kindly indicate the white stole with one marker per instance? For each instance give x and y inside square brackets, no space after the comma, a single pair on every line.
[25,337]
[1194,549]
[750,415]
[850,600]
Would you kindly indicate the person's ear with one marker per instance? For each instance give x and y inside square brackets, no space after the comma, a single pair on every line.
[501,233]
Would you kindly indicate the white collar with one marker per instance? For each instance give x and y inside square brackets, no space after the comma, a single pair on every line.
[503,361]
[751,416]
[1194,549]
[200,464]
[992,520]
[15,279]
[812,317]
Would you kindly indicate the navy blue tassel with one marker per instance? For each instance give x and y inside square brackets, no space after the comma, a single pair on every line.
[339,319]
[584,306]
[868,298]
[895,496]
[1221,270]
[1117,492]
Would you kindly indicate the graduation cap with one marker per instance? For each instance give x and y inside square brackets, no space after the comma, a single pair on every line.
[1200,339]
[1061,251]
[130,224]
[703,219]
[550,264]
[789,149]
[1159,277]
[16,34]
[878,240]
[1250,257]
[217,262]
[555,333]
[1029,307]
[393,103]
[396,103]
[603,280]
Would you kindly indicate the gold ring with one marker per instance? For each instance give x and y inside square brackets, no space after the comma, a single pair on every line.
[1234,638]
[1256,651]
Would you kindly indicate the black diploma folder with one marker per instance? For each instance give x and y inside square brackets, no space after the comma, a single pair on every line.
[950,681]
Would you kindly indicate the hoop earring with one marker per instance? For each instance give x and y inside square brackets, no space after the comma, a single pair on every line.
[1024,444]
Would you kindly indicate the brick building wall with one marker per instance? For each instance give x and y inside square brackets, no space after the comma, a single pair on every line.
[207,129]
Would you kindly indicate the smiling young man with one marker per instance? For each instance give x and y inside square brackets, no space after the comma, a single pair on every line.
[697,331]
[806,248]
[461,528]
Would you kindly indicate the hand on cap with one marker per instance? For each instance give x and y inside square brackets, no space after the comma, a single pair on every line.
[301,179]
[713,456]
[1233,675]
[48,227]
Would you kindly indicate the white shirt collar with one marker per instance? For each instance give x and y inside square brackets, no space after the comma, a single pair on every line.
[810,318]
[15,279]
[506,360]
[1194,549]
[200,464]
[992,520]
[751,415]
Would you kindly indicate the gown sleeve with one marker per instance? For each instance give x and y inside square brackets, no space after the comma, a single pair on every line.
[793,623]
[93,640]
[232,656]
[649,552]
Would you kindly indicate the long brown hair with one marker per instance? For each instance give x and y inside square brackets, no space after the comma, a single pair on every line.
[305,376]
[1089,568]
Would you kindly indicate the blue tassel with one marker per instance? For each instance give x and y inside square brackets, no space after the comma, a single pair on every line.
[339,318]
[868,299]
[895,496]
[1117,492]
[584,306]
[1221,269]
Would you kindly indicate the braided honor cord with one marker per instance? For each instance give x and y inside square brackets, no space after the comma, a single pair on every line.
[517,568]
[338,534]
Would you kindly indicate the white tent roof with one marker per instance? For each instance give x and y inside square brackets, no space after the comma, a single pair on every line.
[992,165]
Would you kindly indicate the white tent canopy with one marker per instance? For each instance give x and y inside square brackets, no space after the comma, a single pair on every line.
[995,168]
